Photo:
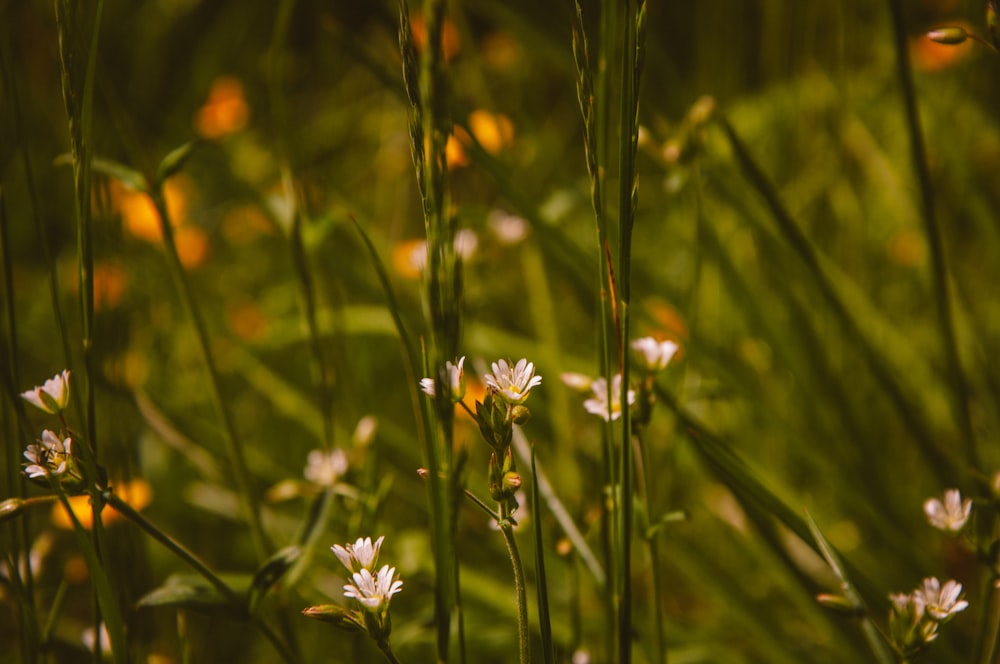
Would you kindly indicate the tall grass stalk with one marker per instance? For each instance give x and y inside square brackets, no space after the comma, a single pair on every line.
[423,81]
[244,488]
[78,30]
[959,391]
[22,578]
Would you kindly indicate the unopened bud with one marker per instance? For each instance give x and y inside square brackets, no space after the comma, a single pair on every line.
[511,481]
[948,35]
[520,414]
[837,604]
[335,615]
[424,473]
[10,508]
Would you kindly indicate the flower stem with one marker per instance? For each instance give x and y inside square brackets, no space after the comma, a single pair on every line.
[242,475]
[182,552]
[524,652]
[387,651]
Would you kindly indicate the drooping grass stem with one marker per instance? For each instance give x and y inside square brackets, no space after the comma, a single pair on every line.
[241,475]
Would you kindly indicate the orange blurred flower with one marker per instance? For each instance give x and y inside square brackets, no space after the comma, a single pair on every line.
[450,42]
[138,213]
[246,320]
[137,493]
[409,258]
[109,286]
[242,224]
[192,246]
[225,112]
[494,131]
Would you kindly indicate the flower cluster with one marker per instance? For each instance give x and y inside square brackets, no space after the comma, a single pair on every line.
[508,387]
[51,456]
[372,590]
[652,356]
[914,618]
[325,467]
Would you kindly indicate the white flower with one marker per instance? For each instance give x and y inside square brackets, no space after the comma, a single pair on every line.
[325,468]
[362,555]
[951,514]
[655,354]
[456,376]
[49,456]
[576,382]
[598,404]
[52,396]
[513,383]
[374,592]
[365,431]
[508,228]
[941,602]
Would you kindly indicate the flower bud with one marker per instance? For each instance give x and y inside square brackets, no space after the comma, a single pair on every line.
[520,414]
[10,508]
[511,481]
[948,35]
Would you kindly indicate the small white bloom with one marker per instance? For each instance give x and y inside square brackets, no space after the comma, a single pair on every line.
[456,377]
[365,431]
[374,592]
[941,602]
[655,354]
[49,456]
[513,383]
[951,514]
[362,555]
[508,228]
[598,404]
[325,468]
[576,382]
[52,396]
[466,243]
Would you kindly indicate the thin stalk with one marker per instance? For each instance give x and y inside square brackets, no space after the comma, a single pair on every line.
[939,269]
[524,650]
[423,81]
[78,96]
[173,545]
[237,460]
[387,651]
[652,549]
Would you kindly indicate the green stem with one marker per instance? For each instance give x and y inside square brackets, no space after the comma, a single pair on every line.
[387,651]
[173,545]
[524,651]
[236,458]
[939,270]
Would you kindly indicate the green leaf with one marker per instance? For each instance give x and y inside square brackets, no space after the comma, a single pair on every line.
[129,177]
[174,161]
[269,573]
[184,591]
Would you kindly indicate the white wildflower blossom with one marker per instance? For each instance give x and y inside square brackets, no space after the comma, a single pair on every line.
[374,591]
[325,467]
[607,403]
[362,555]
[951,514]
[513,383]
[52,396]
[941,602]
[576,381]
[49,456]
[456,378]
[655,354]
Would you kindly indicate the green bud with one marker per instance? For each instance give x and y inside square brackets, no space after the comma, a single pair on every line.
[336,615]
[511,482]
[838,604]
[948,35]
[520,414]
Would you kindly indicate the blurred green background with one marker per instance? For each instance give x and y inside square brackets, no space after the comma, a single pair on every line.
[766,363]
